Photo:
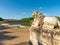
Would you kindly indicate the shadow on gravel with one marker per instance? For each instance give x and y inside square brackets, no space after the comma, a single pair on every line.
[4,37]
[3,27]
[1,43]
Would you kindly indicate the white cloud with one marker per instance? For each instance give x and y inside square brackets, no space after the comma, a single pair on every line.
[24,12]
[45,14]
[40,7]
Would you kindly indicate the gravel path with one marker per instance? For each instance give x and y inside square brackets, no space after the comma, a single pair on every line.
[14,36]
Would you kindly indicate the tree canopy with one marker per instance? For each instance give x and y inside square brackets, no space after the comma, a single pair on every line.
[28,19]
[1,19]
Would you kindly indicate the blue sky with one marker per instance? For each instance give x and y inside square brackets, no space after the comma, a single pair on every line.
[16,9]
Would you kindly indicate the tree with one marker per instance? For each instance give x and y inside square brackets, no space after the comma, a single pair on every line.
[28,19]
[1,19]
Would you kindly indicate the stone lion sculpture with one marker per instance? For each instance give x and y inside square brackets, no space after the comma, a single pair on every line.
[36,24]
[37,19]
[41,22]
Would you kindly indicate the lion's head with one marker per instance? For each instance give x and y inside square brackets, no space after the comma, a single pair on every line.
[36,14]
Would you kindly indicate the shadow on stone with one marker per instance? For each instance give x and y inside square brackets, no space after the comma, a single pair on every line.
[27,43]
[30,43]
[40,43]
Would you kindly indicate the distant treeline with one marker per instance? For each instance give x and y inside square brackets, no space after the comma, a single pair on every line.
[23,21]
[28,19]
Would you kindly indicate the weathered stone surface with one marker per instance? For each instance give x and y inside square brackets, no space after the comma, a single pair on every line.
[50,22]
